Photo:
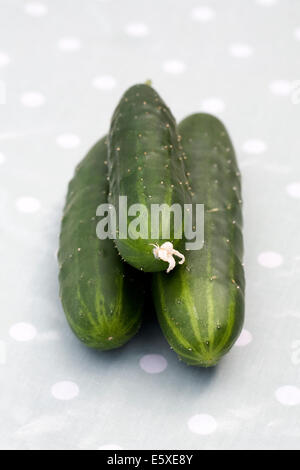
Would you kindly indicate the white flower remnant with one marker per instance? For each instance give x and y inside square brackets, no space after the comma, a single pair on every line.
[166,252]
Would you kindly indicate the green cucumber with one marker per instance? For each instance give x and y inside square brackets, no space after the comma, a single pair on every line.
[200,306]
[101,296]
[145,165]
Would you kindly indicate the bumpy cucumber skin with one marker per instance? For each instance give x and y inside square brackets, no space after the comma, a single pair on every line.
[201,305]
[146,165]
[101,296]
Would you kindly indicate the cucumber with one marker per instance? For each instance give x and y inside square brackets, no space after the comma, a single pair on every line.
[146,165]
[200,306]
[101,296]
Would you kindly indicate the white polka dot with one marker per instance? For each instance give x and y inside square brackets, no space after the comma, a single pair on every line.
[65,390]
[293,189]
[213,105]
[297,34]
[202,424]
[36,9]
[23,332]
[4,59]
[203,14]
[288,395]
[244,338]
[68,141]
[174,66]
[266,2]
[270,259]
[255,146]
[33,99]
[110,447]
[104,82]
[138,30]
[281,87]
[28,204]
[69,44]
[240,50]
[2,158]
[153,363]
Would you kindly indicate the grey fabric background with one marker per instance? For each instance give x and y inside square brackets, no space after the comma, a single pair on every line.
[63,66]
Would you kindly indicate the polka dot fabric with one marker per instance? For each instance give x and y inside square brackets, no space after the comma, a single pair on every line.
[63,67]
[153,363]
[22,332]
[65,390]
